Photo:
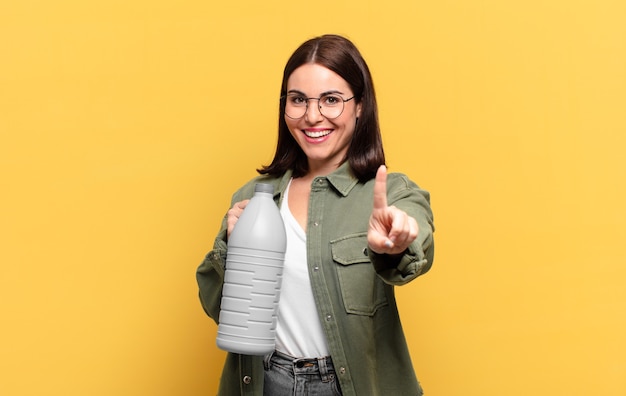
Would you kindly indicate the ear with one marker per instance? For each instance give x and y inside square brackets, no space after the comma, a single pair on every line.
[359,106]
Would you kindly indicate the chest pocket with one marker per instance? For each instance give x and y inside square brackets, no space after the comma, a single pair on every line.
[363,292]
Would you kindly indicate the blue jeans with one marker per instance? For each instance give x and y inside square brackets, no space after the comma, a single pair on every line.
[289,376]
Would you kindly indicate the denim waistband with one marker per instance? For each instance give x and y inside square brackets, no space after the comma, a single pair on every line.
[323,365]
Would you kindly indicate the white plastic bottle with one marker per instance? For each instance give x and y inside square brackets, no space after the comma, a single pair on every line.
[254,268]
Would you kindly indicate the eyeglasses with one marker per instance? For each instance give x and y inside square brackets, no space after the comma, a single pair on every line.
[330,105]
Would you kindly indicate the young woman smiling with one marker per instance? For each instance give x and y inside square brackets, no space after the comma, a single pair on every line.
[354,232]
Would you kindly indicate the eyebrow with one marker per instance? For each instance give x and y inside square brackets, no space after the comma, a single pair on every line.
[334,91]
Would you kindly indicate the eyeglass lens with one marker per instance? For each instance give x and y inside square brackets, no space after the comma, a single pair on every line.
[330,106]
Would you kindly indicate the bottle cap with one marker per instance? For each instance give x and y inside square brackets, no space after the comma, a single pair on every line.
[264,187]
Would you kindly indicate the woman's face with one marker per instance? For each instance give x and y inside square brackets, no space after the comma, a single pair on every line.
[324,141]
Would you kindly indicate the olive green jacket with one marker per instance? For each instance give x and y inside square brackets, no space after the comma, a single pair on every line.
[353,286]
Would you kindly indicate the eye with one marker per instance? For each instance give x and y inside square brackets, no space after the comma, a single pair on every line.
[331,100]
[296,100]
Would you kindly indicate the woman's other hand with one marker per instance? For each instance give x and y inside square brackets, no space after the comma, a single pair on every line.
[234,213]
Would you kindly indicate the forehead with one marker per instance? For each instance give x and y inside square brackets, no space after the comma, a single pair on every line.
[314,79]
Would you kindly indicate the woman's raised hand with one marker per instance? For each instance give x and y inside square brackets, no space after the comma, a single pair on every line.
[391,230]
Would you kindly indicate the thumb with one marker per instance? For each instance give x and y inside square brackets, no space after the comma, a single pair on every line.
[380,188]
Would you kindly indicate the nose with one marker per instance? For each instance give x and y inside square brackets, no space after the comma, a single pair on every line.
[313,112]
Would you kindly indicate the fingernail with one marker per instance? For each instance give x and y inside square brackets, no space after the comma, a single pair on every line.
[388,243]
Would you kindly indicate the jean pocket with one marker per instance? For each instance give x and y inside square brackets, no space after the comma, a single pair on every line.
[363,292]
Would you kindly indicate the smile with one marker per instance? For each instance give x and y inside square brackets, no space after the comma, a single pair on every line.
[317,134]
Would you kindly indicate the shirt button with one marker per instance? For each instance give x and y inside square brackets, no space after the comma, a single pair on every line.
[365,251]
[247,379]
[316,268]
[342,370]
[329,318]
[316,224]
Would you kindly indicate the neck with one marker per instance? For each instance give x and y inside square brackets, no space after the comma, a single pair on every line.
[320,169]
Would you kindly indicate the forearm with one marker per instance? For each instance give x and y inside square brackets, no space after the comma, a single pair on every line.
[210,277]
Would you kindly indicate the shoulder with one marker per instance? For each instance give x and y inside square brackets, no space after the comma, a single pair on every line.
[395,181]
[247,190]
[401,180]
[399,184]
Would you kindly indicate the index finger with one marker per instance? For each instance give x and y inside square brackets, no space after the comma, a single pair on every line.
[380,188]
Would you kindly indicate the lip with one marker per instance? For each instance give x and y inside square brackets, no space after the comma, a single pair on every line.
[317,135]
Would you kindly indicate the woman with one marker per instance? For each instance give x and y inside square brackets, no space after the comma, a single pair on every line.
[354,233]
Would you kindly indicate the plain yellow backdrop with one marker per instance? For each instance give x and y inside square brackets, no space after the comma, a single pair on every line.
[126,125]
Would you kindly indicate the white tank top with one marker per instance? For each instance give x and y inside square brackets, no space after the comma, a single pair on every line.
[299,331]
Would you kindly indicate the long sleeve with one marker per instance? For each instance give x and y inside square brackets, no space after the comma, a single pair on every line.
[210,275]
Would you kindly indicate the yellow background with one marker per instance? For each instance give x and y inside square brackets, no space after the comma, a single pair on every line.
[126,125]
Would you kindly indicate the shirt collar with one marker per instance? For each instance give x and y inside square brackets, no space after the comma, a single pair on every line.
[342,179]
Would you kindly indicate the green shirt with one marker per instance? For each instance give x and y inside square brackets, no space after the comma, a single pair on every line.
[352,286]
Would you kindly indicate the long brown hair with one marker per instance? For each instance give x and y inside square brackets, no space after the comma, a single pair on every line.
[365,152]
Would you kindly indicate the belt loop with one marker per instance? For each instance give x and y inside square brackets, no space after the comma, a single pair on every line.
[266,360]
[323,368]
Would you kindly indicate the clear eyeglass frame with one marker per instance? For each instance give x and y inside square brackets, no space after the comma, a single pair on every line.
[330,105]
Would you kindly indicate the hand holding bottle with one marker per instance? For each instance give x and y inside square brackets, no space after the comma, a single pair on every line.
[234,213]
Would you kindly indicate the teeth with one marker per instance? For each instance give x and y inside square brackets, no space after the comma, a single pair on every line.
[317,134]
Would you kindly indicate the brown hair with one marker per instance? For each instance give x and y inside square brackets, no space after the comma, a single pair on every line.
[365,152]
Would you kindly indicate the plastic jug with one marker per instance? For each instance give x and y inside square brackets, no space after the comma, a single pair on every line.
[252,280]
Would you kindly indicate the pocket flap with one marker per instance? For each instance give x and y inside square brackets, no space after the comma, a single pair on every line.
[351,249]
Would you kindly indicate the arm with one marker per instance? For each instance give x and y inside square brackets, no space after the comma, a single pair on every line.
[210,274]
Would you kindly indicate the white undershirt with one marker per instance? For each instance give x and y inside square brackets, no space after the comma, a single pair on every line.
[298,332]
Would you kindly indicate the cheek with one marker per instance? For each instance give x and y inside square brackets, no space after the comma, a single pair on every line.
[293,130]
[351,128]
[348,123]
[349,117]
[291,125]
